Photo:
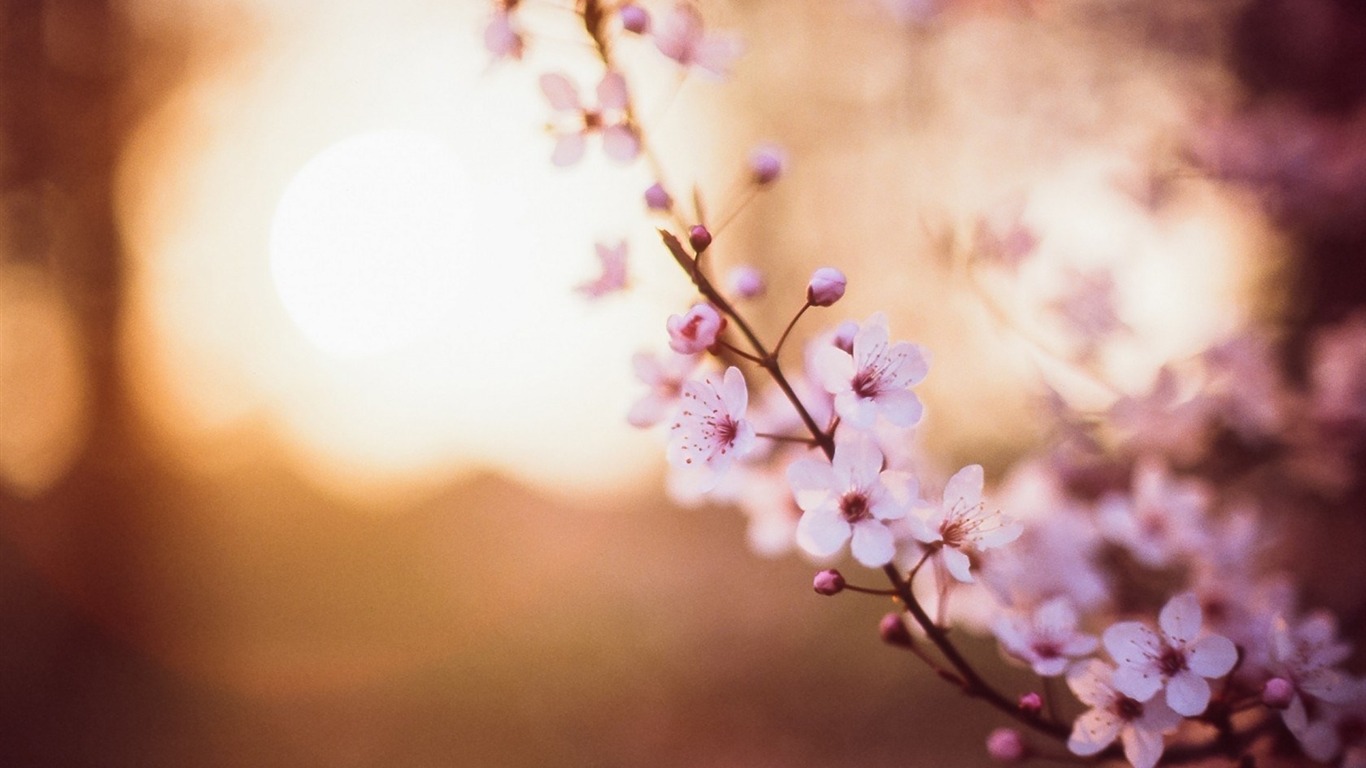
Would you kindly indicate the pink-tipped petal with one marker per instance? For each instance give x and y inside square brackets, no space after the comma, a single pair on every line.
[612,91]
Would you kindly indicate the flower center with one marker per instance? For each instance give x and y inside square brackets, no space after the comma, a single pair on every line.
[1127,709]
[1047,649]
[954,533]
[865,383]
[1171,661]
[854,507]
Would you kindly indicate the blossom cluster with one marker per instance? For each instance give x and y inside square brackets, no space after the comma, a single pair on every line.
[1129,557]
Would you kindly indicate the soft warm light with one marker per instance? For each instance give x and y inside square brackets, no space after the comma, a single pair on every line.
[357,249]
[368,240]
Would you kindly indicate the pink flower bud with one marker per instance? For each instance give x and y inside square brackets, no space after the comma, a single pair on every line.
[699,238]
[656,199]
[829,582]
[1278,693]
[1006,745]
[746,282]
[695,331]
[893,631]
[766,164]
[844,336]
[634,19]
[826,287]
[1032,703]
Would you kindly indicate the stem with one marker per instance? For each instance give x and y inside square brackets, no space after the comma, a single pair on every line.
[791,324]
[740,352]
[790,439]
[972,683]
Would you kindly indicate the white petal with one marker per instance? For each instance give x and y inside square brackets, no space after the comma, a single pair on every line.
[873,545]
[912,364]
[812,481]
[958,564]
[964,489]
[1095,730]
[1295,716]
[649,411]
[1138,683]
[1188,693]
[1051,667]
[822,531]
[560,92]
[715,54]
[870,340]
[1328,685]
[1130,643]
[734,393]
[1212,656]
[620,144]
[1090,681]
[1181,618]
[1141,748]
[568,149]
[857,412]
[857,461]
[1003,534]
[901,407]
[833,368]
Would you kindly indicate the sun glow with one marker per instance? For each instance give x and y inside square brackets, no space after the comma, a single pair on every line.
[375,266]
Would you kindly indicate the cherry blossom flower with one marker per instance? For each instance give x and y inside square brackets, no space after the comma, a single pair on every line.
[961,524]
[1046,639]
[1164,419]
[1161,520]
[613,276]
[664,376]
[875,378]
[574,121]
[1087,308]
[850,497]
[710,431]
[1176,659]
[1306,656]
[1138,725]
[695,331]
[679,36]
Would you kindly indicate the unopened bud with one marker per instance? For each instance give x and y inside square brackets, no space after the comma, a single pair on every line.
[766,164]
[656,199]
[1032,703]
[699,238]
[826,287]
[696,331]
[829,582]
[634,19]
[893,631]
[1278,693]
[1006,745]
[746,282]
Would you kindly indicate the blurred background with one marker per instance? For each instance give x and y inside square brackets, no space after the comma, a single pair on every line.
[310,454]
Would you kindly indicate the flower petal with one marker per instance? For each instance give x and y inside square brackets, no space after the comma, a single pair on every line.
[612,91]
[1181,618]
[901,407]
[964,489]
[1142,748]
[568,149]
[560,91]
[1095,730]
[1130,643]
[912,364]
[1188,693]
[812,482]
[1138,683]
[1090,681]
[872,545]
[734,393]
[620,144]
[1212,656]
[958,564]
[833,368]
[822,531]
